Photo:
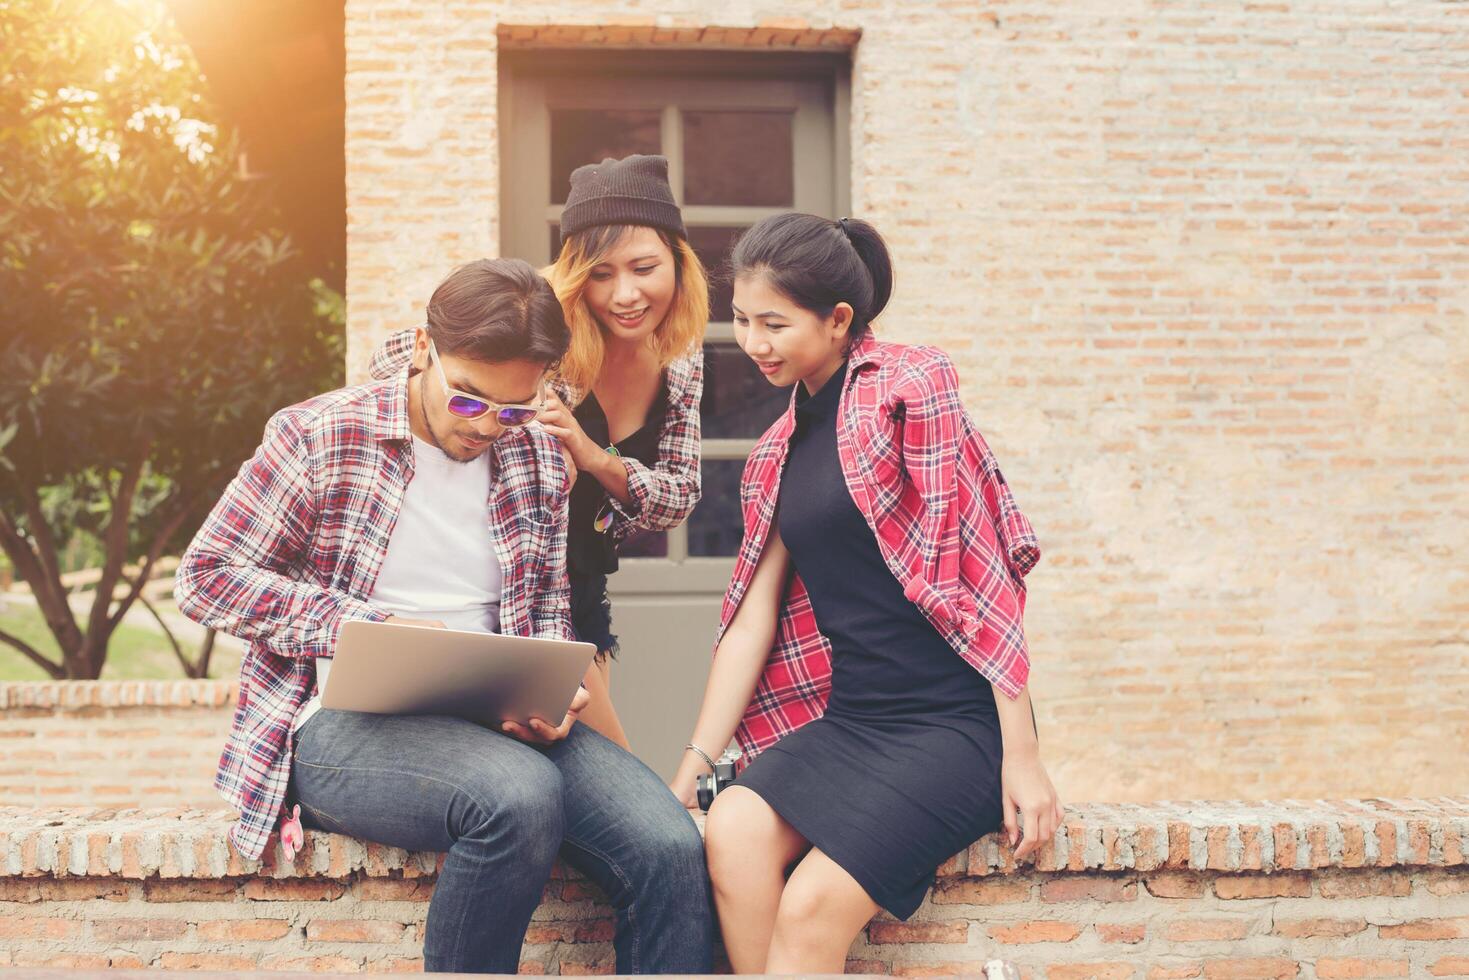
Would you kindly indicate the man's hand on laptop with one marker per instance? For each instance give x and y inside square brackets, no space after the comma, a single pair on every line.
[430,623]
[540,732]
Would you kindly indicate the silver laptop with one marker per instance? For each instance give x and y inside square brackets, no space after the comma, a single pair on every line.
[393,669]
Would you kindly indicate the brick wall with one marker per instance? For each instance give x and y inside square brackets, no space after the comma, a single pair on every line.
[1204,269]
[112,743]
[1208,890]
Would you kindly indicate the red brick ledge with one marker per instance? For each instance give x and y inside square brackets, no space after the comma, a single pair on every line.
[16,695]
[1263,836]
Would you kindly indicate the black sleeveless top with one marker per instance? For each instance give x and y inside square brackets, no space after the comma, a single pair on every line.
[589,551]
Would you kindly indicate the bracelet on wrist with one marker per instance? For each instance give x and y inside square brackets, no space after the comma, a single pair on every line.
[701,753]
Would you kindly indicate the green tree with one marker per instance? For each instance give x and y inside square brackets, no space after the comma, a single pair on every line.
[152,312]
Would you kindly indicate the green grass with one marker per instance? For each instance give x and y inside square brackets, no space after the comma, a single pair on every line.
[134,653]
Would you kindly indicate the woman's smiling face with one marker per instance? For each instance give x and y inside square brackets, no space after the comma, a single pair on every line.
[631,290]
[787,342]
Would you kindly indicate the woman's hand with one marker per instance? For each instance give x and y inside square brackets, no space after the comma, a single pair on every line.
[685,782]
[1025,787]
[685,791]
[557,419]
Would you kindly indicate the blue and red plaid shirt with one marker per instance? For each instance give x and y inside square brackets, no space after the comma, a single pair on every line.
[945,520]
[293,549]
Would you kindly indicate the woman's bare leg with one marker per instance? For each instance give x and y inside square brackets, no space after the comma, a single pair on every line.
[748,847]
[822,909]
[600,715]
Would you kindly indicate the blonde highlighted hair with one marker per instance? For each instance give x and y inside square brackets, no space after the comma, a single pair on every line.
[682,329]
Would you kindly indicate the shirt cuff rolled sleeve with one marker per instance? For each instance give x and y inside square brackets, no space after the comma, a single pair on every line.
[346,608]
[639,486]
[354,608]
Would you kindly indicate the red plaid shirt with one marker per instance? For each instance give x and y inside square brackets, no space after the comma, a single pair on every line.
[663,494]
[293,548]
[944,518]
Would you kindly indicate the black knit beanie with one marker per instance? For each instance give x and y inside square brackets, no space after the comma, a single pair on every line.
[630,191]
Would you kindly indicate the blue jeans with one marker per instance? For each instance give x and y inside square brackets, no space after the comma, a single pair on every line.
[503,810]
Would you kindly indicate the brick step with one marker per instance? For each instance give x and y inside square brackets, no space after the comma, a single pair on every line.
[1178,890]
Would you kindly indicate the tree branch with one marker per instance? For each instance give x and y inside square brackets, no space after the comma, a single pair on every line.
[43,579]
[178,651]
[115,547]
[54,670]
[41,533]
[20,552]
[155,550]
[206,649]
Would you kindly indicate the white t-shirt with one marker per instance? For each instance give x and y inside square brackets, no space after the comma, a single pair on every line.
[441,562]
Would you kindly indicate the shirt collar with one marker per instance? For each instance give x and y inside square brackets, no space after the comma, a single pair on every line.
[867,352]
[864,352]
[392,407]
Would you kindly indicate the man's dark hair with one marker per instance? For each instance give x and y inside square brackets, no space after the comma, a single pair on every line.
[498,310]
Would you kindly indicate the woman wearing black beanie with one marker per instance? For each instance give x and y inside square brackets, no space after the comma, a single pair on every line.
[626,396]
[627,411]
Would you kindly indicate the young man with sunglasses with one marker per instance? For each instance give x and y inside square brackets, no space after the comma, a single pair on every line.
[431,498]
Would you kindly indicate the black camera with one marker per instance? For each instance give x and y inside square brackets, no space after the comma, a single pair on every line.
[723,775]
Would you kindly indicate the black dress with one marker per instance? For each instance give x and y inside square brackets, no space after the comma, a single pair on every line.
[591,555]
[903,770]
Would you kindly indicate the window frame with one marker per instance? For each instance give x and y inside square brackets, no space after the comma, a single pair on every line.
[536,82]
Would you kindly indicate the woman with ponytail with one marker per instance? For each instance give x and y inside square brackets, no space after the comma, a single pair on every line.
[871,660]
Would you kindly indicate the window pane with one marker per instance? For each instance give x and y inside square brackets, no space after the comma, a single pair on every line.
[739,158]
[644,544]
[712,245]
[716,526]
[738,402]
[581,136]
